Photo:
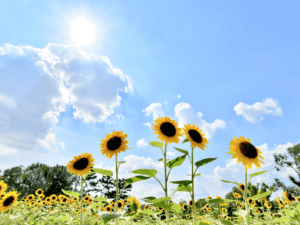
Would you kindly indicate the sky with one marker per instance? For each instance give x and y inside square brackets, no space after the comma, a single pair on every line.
[72,72]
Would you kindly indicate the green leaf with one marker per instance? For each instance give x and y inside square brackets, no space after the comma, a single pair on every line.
[71,193]
[283,219]
[289,212]
[204,161]
[103,171]
[63,218]
[182,187]
[135,179]
[175,208]
[182,151]
[109,216]
[257,173]
[148,172]
[176,162]
[101,199]
[198,174]
[122,162]
[229,153]
[163,160]
[185,140]
[149,198]
[90,173]
[229,182]
[162,199]
[156,144]
[146,211]
[182,182]
[217,201]
[255,197]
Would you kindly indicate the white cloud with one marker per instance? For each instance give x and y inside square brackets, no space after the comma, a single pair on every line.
[251,113]
[148,125]
[141,143]
[48,79]
[156,109]
[178,96]
[186,115]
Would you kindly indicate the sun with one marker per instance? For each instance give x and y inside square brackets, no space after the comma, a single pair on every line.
[83,31]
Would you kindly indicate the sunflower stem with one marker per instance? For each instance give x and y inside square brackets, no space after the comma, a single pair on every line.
[193,197]
[117,188]
[166,183]
[81,200]
[245,196]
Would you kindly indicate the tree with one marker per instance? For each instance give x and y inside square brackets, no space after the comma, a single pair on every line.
[13,178]
[108,184]
[281,160]
[39,176]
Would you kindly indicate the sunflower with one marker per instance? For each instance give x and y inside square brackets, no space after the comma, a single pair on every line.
[242,189]
[288,197]
[113,144]
[138,204]
[8,200]
[244,151]
[167,130]
[30,197]
[195,136]
[81,164]
[3,187]
[120,204]
[39,192]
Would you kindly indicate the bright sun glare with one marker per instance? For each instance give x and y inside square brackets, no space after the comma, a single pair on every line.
[82,31]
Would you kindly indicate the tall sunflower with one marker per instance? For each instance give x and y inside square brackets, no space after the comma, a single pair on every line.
[8,200]
[113,144]
[195,136]
[167,130]
[81,164]
[245,152]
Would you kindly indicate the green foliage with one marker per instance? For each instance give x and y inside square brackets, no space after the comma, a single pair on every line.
[282,161]
[108,186]
[39,176]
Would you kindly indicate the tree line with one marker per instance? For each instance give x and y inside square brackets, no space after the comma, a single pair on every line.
[53,179]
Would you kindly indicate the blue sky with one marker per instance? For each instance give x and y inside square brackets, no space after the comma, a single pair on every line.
[230,68]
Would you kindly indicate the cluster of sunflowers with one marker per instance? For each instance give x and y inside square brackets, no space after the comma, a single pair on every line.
[168,132]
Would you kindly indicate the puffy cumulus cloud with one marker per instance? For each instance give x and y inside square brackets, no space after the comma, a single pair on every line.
[252,112]
[141,143]
[148,125]
[156,109]
[171,153]
[186,115]
[36,84]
